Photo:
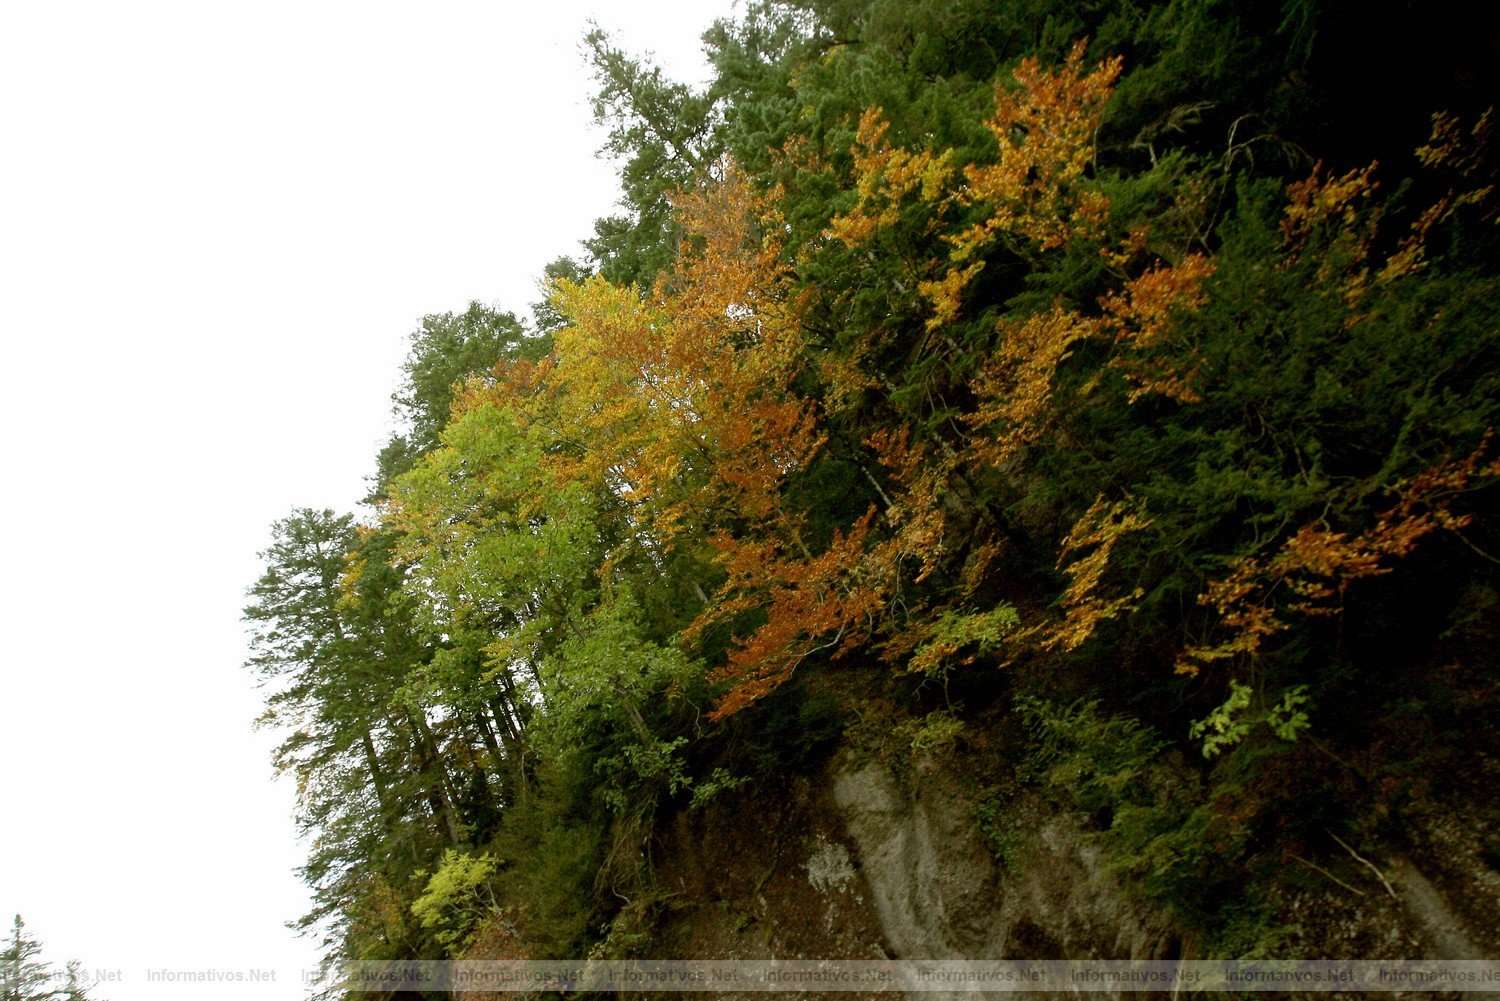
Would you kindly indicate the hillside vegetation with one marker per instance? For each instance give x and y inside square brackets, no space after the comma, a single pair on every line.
[1106,389]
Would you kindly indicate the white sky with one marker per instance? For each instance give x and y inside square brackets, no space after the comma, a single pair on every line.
[218,223]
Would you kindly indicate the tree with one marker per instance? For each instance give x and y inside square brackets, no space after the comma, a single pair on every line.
[662,134]
[544,314]
[371,781]
[23,975]
[446,349]
[937,338]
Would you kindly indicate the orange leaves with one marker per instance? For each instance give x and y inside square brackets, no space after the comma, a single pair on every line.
[1014,389]
[1471,158]
[680,405]
[1037,191]
[1142,316]
[1034,191]
[935,641]
[728,279]
[1143,311]
[812,603]
[1319,201]
[1045,132]
[1046,135]
[1449,147]
[1327,219]
[1313,568]
[680,402]
[1331,217]
[1037,196]
[916,512]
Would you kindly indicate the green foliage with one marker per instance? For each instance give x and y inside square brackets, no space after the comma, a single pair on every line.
[24,976]
[457,897]
[1285,718]
[793,730]
[1003,830]
[1161,831]
[558,852]
[930,734]
[446,349]
[546,317]
[1224,727]
[661,134]
[716,783]
[1253,927]
[1104,760]
[961,638]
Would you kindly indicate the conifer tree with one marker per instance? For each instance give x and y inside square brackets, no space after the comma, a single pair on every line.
[23,975]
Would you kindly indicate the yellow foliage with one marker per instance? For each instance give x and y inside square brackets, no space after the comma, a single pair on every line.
[884,176]
[681,405]
[1045,133]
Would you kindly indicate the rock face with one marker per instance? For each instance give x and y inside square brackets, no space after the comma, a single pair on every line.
[853,863]
[857,862]
[940,893]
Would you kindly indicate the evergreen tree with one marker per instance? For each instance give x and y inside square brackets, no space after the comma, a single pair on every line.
[663,135]
[446,348]
[23,975]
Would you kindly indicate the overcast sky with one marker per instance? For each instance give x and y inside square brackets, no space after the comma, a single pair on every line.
[218,223]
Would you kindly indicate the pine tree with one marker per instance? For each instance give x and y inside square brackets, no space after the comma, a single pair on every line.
[23,976]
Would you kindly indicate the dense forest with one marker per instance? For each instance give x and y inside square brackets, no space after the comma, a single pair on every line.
[1105,391]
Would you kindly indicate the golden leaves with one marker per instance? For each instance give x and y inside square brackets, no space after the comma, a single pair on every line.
[1084,556]
[1014,389]
[945,294]
[1045,131]
[1448,146]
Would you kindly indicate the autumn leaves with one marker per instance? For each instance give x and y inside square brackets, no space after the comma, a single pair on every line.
[668,433]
